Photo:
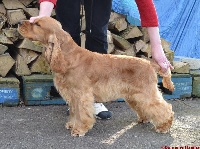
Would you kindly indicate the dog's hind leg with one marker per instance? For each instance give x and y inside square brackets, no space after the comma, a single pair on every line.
[135,106]
[153,108]
[160,113]
[84,114]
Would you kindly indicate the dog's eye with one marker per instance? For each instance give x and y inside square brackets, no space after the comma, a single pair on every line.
[37,24]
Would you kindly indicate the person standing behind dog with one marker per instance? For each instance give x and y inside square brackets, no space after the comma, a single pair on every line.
[97,13]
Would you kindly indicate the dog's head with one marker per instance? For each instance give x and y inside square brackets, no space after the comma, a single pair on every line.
[42,29]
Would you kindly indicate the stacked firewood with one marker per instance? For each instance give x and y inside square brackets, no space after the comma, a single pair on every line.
[22,57]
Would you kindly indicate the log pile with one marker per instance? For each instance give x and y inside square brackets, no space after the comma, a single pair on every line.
[22,57]
[19,56]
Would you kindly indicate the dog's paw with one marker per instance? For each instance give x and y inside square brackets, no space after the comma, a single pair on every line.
[77,133]
[141,120]
[69,125]
[162,131]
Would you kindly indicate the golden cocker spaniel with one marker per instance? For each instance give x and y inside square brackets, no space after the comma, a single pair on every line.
[83,77]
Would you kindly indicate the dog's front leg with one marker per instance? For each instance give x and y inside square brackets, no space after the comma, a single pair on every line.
[71,122]
[83,114]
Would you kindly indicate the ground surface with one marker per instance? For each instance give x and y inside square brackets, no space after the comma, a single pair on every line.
[42,127]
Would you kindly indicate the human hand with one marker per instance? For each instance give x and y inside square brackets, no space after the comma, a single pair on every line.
[46,8]
[159,56]
[32,19]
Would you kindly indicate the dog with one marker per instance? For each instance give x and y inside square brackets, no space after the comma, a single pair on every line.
[83,77]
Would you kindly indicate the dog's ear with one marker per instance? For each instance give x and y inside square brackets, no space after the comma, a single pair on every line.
[54,54]
[53,42]
[50,46]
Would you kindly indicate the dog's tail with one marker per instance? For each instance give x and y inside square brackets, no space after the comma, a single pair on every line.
[166,81]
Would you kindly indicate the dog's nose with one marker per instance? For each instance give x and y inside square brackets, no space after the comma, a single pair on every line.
[20,22]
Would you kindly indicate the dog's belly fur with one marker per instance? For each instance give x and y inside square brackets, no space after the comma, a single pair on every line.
[108,91]
[111,90]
